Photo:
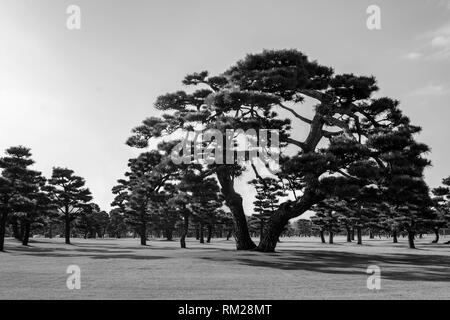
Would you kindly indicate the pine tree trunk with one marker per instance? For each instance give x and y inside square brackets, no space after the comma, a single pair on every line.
[143,234]
[208,239]
[331,237]
[349,235]
[436,232]
[279,219]
[67,229]
[3,218]
[26,233]
[168,233]
[185,231]
[15,228]
[353,234]
[22,229]
[359,235]
[50,230]
[394,236]
[411,239]
[322,236]
[234,201]
[202,235]
[274,228]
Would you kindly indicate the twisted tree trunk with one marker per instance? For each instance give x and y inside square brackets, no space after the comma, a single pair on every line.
[234,201]
[274,228]
[278,221]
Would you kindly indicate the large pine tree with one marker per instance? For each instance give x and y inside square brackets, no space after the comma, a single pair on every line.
[255,93]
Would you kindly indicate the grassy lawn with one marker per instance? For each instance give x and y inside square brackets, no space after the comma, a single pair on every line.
[301,269]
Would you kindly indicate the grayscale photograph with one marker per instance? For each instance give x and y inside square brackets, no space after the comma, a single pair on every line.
[203,150]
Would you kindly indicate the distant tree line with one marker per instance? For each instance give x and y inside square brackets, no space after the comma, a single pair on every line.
[184,202]
[61,206]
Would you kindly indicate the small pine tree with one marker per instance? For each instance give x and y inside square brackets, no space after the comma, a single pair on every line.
[69,195]
[441,206]
[267,199]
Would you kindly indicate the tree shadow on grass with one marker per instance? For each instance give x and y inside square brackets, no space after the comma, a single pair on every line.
[80,252]
[404,267]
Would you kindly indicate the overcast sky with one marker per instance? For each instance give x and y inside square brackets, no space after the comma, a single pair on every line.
[74,95]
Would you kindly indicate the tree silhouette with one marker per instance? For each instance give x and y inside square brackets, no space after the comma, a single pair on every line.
[21,192]
[138,196]
[327,218]
[116,226]
[70,196]
[92,221]
[441,205]
[249,95]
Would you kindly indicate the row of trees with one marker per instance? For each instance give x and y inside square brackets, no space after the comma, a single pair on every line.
[156,191]
[28,200]
[336,215]
[61,205]
[362,210]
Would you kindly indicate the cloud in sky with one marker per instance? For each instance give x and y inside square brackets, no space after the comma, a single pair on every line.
[435,46]
[444,4]
[431,90]
[413,56]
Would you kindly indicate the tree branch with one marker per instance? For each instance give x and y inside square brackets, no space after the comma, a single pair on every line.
[298,116]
